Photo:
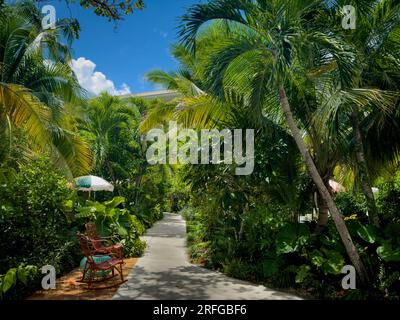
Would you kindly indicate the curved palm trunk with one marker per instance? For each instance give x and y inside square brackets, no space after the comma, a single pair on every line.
[323,210]
[4,148]
[323,190]
[323,216]
[363,170]
[138,183]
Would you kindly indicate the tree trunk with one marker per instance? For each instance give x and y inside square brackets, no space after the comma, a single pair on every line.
[138,183]
[323,216]
[323,211]
[111,172]
[363,170]
[336,216]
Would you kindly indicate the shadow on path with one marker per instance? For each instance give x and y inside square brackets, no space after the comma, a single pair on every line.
[164,272]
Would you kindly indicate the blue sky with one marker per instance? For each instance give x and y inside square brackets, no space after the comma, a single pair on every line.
[116,57]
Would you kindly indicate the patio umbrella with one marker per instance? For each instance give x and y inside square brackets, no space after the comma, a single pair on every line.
[93,183]
[336,187]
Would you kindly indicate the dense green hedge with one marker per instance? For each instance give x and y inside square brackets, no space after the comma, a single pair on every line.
[33,227]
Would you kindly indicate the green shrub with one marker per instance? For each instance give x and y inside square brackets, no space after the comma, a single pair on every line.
[351,204]
[133,247]
[240,269]
[112,219]
[388,199]
[34,229]
[15,278]
[33,226]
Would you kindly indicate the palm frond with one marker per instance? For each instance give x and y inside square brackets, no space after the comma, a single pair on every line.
[25,111]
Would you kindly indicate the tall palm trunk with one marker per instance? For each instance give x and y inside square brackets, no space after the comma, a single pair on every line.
[323,190]
[5,134]
[323,210]
[323,217]
[138,182]
[363,169]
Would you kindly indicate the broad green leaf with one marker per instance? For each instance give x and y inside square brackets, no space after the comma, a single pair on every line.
[9,279]
[368,233]
[122,231]
[86,212]
[317,258]
[22,274]
[290,237]
[302,273]
[387,253]
[334,262]
[115,202]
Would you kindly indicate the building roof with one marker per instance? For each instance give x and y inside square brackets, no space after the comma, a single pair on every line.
[166,95]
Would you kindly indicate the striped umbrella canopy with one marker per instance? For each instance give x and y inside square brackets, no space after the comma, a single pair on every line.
[93,183]
[336,186]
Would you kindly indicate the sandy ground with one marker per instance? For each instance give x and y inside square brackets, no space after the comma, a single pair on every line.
[68,287]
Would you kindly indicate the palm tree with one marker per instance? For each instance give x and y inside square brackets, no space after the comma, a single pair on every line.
[195,108]
[265,40]
[375,43]
[37,83]
[100,118]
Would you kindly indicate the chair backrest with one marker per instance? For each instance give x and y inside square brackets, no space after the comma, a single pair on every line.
[91,230]
[87,247]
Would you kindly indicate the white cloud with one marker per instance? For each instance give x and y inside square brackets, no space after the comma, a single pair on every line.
[124,89]
[94,81]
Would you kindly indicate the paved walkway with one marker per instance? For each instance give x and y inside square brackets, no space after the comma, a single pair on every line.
[165,273]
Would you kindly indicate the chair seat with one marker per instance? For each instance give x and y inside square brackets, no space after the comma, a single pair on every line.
[107,265]
[113,248]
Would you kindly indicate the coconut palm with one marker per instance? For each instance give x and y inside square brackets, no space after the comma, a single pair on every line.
[100,118]
[37,84]
[199,109]
[375,45]
[195,108]
[266,40]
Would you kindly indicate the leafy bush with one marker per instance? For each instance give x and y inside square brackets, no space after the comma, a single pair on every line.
[240,269]
[262,245]
[388,199]
[33,227]
[351,203]
[15,277]
[133,247]
[112,220]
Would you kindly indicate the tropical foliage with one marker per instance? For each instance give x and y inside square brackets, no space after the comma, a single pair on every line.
[287,69]
[36,87]
[51,132]
[323,102]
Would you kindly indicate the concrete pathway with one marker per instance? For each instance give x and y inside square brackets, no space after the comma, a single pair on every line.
[165,273]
